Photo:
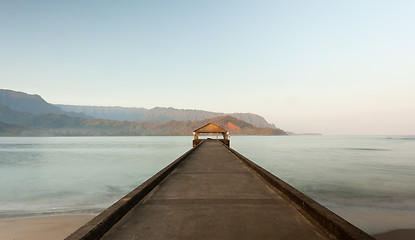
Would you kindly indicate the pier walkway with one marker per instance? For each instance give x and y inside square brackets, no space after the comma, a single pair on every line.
[214,194]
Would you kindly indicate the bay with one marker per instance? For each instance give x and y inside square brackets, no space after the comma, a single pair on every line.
[368,180]
[77,175]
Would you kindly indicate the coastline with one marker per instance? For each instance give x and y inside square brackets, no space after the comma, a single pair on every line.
[45,228]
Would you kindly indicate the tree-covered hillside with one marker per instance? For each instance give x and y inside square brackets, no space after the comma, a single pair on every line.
[62,125]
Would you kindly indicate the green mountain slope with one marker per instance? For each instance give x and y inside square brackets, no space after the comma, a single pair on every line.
[7,129]
[62,125]
[35,104]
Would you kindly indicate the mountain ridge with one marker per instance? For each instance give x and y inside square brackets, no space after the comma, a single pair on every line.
[35,104]
[30,114]
[162,114]
[30,103]
[28,124]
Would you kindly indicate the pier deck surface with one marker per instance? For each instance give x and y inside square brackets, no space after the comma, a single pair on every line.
[213,195]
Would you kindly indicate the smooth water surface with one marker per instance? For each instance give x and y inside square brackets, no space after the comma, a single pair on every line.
[78,174]
[370,181]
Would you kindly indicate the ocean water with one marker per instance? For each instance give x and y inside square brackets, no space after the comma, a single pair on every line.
[77,175]
[368,180]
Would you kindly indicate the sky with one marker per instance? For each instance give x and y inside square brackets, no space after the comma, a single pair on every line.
[330,67]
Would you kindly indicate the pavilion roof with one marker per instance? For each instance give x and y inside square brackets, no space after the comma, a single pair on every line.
[210,128]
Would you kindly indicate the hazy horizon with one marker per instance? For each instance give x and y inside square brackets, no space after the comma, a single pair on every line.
[336,68]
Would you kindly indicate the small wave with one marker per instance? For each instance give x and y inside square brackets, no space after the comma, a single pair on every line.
[407,138]
[50,212]
[367,149]
[113,189]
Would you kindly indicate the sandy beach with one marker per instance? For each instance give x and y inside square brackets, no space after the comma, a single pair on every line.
[46,228]
[401,234]
[59,227]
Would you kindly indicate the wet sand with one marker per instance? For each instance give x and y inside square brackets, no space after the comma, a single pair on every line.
[401,234]
[45,228]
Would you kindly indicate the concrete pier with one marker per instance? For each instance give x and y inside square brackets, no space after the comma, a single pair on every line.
[213,193]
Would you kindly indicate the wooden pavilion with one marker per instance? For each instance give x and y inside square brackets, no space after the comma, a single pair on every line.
[211,128]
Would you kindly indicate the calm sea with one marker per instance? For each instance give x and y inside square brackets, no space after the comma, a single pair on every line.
[370,181]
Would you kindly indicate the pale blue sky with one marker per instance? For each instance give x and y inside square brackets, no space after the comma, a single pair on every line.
[334,67]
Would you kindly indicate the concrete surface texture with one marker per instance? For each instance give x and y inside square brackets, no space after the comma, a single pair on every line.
[213,195]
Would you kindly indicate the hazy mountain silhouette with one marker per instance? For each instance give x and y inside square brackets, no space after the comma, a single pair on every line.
[30,103]
[33,103]
[160,114]
[22,113]
[23,124]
